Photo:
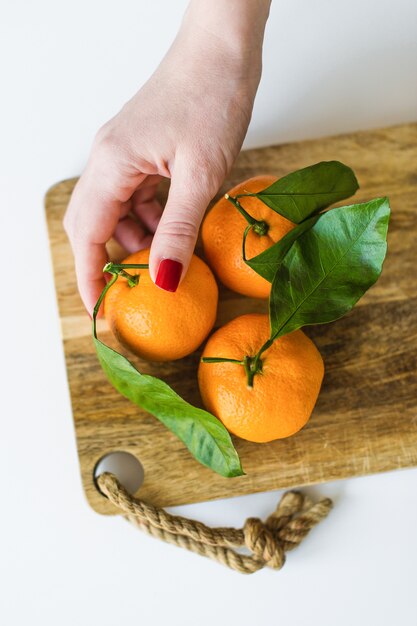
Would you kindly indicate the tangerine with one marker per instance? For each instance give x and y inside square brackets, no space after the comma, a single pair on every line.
[222,234]
[284,391]
[160,325]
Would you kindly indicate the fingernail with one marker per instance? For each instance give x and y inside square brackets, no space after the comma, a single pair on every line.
[169,274]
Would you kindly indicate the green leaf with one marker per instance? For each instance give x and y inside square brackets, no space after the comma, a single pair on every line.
[202,433]
[307,191]
[330,267]
[267,262]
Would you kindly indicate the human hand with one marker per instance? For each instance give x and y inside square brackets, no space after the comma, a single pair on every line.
[187,123]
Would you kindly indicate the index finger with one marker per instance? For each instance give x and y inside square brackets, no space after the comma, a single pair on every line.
[90,221]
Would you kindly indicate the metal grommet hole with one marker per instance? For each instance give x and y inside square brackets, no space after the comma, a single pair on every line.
[126,467]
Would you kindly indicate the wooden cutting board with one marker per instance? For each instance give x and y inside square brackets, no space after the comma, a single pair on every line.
[365,420]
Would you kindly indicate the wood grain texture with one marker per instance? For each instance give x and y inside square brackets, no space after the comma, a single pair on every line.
[365,420]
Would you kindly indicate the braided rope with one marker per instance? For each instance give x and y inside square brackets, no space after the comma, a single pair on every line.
[267,541]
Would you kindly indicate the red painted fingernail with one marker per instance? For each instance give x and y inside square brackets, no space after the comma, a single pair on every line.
[169,274]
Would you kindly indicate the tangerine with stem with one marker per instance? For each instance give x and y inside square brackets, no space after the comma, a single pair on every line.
[262,399]
[155,324]
[223,230]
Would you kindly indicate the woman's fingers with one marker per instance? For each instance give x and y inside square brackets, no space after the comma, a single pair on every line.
[90,220]
[146,207]
[136,234]
[132,235]
[90,258]
[95,214]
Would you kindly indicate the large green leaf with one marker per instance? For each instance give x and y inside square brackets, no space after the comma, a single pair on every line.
[307,191]
[266,263]
[203,434]
[330,266]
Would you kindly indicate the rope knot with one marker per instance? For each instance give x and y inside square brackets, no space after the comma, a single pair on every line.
[293,518]
[263,544]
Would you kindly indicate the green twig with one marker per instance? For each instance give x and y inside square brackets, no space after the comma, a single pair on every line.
[251,220]
[215,359]
[99,301]
[257,358]
[245,234]
[252,365]
[260,227]
[109,267]
[119,269]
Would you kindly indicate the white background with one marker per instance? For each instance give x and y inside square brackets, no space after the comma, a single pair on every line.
[329,66]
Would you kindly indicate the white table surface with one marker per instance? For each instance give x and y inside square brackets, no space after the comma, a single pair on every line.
[66,67]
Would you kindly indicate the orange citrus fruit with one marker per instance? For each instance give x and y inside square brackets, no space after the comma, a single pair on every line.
[284,392]
[222,234]
[160,325]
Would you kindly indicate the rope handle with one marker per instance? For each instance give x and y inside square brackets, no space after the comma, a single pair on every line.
[284,530]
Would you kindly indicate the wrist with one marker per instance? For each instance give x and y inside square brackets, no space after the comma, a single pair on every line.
[233,28]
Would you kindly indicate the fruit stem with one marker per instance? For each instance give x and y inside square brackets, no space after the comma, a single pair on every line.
[245,234]
[251,220]
[100,300]
[260,227]
[117,266]
[215,359]
[118,269]
[253,366]
[257,363]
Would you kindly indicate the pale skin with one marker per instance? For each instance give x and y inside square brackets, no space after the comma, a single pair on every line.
[187,123]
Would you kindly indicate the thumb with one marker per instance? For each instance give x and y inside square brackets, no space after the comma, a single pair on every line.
[175,238]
